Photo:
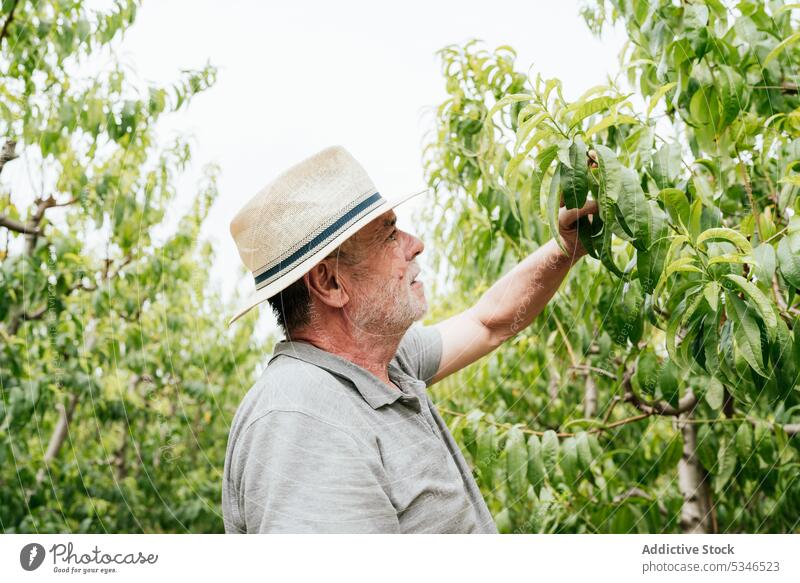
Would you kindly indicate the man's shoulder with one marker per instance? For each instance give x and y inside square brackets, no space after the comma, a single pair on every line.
[293,385]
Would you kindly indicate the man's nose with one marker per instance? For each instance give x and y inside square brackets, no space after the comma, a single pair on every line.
[414,246]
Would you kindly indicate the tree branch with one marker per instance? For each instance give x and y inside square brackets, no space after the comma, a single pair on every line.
[529,431]
[685,403]
[8,21]
[791,429]
[16,226]
[42,204]
[59,434]
[589,398]
[8,153]
[61,430]
[585,368]
[637,492]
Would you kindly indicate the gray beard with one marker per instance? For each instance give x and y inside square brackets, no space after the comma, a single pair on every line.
[390,312]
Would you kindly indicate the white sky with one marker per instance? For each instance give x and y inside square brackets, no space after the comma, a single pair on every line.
[295,77]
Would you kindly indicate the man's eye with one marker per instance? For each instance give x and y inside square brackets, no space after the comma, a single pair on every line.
[393,236]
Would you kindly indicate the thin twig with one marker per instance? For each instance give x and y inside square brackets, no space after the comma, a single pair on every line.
[566,340]
[530,431]
[749,189]
[588,368]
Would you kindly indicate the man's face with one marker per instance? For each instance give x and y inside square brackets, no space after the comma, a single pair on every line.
[384,298]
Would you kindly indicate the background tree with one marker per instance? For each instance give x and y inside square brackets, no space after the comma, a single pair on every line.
[118,376]
[659,390]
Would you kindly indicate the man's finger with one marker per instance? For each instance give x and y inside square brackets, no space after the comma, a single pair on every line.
[590,208]
[567,217]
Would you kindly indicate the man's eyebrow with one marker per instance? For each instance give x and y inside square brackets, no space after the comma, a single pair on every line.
[390,222]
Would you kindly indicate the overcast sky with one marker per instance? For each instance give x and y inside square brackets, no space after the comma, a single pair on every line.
[295,77]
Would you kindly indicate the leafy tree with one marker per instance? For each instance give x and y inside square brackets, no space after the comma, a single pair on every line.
[118,377]
[659,391]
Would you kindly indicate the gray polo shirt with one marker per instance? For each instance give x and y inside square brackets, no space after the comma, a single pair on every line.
[320,444]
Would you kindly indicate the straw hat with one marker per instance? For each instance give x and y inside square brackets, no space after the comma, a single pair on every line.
[296,220]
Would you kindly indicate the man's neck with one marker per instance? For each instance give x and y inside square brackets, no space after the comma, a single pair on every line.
[372,352]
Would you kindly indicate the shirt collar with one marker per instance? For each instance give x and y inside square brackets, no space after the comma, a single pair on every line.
[373,390]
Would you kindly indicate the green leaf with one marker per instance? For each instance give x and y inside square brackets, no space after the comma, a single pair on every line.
[674,324]
[705,109]
[703,189]
[647,372]
[672,454]
[524,130]
[584,451]
[781,46]
[731,94]
[487,443]
[506,101]
[744,441]
[695,219]
[470,442]
[669,383]
[661,92]
[550,451]
[711,292]
[516,462]
[725,234]
[684,264]
[590,234]
[715,393]
[536,470]
[634,209]
[574,179]
[581,111]
[730,258]
[695,16]
[650,264]
[710,340]
[789,258]
[726,463]
[764,255]
[606,252]
[614,119]
[553,204]
[569,460]
[666,165]
[543,161]
[746,333]
[763,305]
[609,177]
[677,205]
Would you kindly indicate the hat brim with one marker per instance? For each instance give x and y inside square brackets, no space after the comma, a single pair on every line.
[301,269]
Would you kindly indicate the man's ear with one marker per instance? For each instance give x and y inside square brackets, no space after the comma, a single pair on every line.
[323,281]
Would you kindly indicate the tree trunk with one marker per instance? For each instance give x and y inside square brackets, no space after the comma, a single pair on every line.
[589,398]
[696,514]
[59,434]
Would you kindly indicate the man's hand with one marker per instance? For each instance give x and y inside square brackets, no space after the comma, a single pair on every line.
[568,219]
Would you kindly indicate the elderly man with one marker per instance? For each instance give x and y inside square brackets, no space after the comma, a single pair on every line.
[339,433]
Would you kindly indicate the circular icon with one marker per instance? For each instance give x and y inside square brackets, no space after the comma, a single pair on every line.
[31,556]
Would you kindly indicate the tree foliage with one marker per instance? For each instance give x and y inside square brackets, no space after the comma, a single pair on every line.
[659,391]
[118,377]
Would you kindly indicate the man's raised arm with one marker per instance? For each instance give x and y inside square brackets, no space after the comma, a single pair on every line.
[512,303]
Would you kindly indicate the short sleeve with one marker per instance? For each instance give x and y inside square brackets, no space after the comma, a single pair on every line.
[298,474]
[420,352]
